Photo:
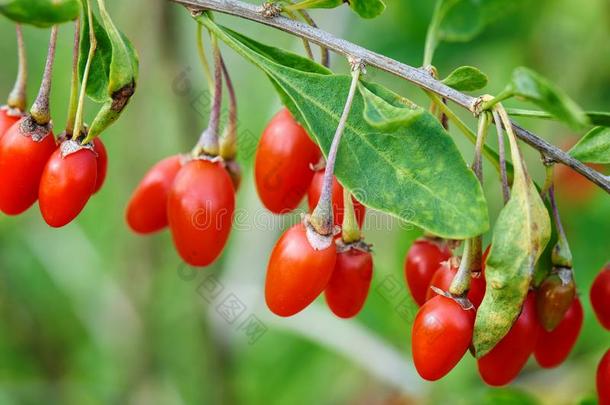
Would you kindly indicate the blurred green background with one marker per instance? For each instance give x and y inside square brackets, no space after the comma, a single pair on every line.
[92,313]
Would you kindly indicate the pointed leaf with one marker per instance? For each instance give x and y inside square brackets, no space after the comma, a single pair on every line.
[415,172]
[465,19]
[520,235]
[594,147]
[531,86]
[600,118]
[466,78]
[113,72]
[383,115]
[367,8]
[40,13]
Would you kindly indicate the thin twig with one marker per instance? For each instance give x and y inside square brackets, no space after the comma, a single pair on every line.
[415,75]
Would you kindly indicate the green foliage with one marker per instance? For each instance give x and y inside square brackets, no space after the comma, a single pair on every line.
[113,72]
[521,233]
[462,21]
[367,8]
[382,115]
[507,396]
[466,78]
[414,172]
[534,88]
[594,147]
[40,13]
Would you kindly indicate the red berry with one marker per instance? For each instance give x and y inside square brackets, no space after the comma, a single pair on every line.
[444,276]
[147,208]
[297,273]
[67,183]
[315,190]
[102,163]
[349,284]
[554,347]
[504,362]
[600,296]
[422,260]
[22,161]
[7,120]
[200,210]
[554,298]
[283,163]
[603,380]
[441,334]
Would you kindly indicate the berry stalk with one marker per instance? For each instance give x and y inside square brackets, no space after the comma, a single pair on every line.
[73,106]
[202,56]
[208,142]
[228,142]
[322,216]
[561,255]
[350,231]
[471,257]
[40,110]
[17,97]
[78,121]
[502,157]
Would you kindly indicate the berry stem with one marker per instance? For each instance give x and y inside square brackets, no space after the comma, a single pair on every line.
[431,38]
[322,216]
[202,56]
[228,142]
[471,257]
[208,142]
[73,106]
[40,110]
[350,231]
[324,52]
[502,157]
[78,121]
[491,156]
[561,255]
[549,166]
[17,97]
[306,43]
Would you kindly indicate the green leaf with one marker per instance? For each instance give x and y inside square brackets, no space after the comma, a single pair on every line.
[385,116]
[414,173]
[466,78]
[520,235]
[40,13]
[599,118]
[99,71]
[462,20]
[113,72]
[594,147]
[367,8]
[531,86]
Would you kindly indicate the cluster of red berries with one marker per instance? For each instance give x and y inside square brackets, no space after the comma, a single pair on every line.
[443,327]
[600,301]
[195,196]
[62,174]
[297,273]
